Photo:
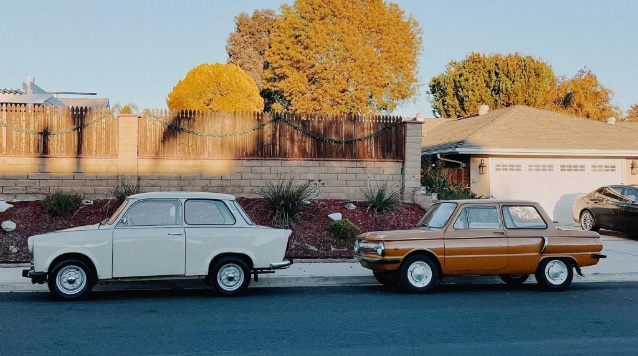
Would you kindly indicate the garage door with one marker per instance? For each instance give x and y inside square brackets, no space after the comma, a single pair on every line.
[554,183]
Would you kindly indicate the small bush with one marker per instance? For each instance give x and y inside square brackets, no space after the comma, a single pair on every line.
[285,200]
[62,203]
[382,199]
[344,230]
[125,188]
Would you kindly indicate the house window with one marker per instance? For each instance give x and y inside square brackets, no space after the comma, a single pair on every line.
[572,167]
[603,167]
[508,167]
[540,168]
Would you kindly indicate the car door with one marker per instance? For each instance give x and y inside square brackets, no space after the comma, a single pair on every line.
[526,233]
[476,240]
[605,207]
[149,240]
[629,211]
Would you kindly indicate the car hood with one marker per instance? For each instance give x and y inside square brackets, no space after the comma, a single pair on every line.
[395,235]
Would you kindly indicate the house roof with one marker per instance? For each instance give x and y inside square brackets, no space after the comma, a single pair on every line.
[86,102]
[523,130]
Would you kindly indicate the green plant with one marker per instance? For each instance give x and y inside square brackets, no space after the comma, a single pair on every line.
[435,178]
[344,230]
[285,200]
[62,203]
[381,199]
[125,188]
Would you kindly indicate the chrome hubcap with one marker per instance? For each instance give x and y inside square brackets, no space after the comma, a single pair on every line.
[419,274]
[71,280]
[556,272]
[230,277]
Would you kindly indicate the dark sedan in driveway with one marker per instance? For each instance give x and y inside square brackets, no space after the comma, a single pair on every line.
[612,207]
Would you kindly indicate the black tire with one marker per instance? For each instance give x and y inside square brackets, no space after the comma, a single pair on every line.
[514,279]
[70,279]
[229,276]
[588,221]
[387,278]
[418,274]
[554,274]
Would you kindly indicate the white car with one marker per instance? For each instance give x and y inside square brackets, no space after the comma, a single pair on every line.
[161,235]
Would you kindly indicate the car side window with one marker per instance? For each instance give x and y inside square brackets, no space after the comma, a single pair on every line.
[207,212]
[160,212]
[523,217]
[477,218]
[630,193]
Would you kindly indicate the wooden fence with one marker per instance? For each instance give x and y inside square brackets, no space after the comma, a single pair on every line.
[166,134]
[28,130]
[44,131]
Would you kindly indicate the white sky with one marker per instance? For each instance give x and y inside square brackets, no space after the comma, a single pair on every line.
[136,51]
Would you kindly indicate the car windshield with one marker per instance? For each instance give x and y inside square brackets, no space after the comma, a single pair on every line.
[438,216]
[117,212]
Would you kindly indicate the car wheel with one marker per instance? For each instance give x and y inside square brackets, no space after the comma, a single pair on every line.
[514,279]
[387,278]
[70,280]
[418,274]
[229,276]
[588,221]
[554,274]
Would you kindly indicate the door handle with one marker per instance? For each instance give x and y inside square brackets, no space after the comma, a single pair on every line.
[175,233]
[499,232]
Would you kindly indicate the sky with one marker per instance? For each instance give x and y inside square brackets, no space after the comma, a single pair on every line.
[136,51]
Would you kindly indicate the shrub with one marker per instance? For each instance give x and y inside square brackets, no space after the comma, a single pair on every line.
[344,230]
[434,178]
[125,188]
[381,199]
[285,200]
[62,203]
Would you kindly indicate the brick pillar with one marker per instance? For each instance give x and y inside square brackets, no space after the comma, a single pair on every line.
[411,170]
[128,136]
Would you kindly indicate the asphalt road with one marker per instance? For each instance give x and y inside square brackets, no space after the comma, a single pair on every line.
[591,318]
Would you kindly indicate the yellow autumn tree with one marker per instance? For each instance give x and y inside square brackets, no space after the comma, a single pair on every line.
[216,87]
[584,96]
[632,113]
[343,56]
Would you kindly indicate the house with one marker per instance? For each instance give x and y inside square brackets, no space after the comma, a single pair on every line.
[31,94]
[527,153]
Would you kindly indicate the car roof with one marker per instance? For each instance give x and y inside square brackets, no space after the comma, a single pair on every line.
[182,195]
[490,201]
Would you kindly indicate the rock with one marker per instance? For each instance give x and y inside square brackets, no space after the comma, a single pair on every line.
[13,250]
[335,216]
[8,225]
[4,206]
[350,206]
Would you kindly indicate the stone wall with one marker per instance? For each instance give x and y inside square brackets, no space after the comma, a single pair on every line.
[30,178]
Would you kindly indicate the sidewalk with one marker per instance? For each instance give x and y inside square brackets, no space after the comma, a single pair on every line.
[621,265]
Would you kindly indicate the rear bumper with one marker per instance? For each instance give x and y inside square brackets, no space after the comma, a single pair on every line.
[281,265]
[36,277]
[598,255]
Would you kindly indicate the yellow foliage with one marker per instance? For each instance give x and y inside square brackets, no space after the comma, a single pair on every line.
[343,56]
[632,113]
[216,87]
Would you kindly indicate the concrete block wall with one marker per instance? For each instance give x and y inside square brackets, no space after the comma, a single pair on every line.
[31,178]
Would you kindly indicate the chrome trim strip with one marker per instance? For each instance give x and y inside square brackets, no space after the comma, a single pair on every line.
[545,243]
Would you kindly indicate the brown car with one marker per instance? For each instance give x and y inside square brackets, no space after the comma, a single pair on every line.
[511,239]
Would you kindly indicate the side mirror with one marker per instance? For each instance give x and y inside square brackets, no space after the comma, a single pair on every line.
[123,221]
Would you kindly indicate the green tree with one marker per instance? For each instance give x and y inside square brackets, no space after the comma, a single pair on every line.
[341,56]
[632,114]
[495,80]
[216,87]
[584,96]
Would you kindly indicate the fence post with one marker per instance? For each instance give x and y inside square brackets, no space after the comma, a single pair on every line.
[411,171]
[128,142]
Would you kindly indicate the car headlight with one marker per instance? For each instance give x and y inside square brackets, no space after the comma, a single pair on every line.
[380,248]
[356,245]
[30,244]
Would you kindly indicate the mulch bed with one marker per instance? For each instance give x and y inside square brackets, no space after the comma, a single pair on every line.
[309,239]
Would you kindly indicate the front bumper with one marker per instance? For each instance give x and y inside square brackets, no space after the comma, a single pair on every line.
[377,260]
